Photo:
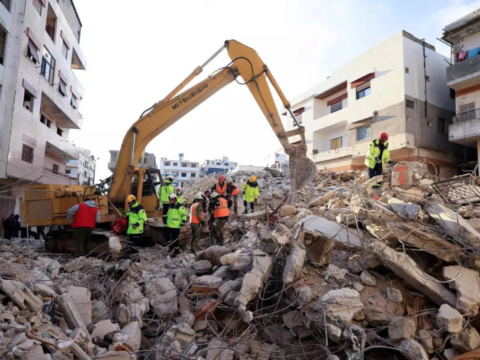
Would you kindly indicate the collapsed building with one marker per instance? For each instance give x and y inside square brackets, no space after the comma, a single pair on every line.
[348,271]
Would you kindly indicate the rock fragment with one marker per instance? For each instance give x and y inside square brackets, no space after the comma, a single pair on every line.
[449,319]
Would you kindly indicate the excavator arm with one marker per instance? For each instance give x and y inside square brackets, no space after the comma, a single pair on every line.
[245,64]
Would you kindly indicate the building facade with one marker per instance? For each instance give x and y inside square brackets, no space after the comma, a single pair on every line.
[222,165]
[463,77]
[82,169]
[184,171]
[149,160]
[398,87]
[39,93]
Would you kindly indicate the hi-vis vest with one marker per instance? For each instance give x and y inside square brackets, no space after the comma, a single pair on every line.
[85,216]
[222,209]
[193,214]
[374,153]
[235,190]
[222,191]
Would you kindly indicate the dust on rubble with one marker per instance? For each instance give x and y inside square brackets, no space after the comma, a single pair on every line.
[347,271]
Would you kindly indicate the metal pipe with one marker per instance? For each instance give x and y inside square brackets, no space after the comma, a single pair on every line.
[135,132]
[214,55]
[293,116]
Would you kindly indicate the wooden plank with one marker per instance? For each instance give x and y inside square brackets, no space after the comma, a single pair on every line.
[204,289]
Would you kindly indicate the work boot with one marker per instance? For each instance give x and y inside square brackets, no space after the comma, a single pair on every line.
[176,252]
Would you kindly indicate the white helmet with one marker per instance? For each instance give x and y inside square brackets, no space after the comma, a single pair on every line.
[198,196]
[172,196]
[229,180]
[170,177]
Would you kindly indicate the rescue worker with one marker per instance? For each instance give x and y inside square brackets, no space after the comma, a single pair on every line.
[179,194]
[83,218]
[377,156]
[250,193]
[176,218]
[165,190]
[220,187]
[205,199]
[219,206]
[136,216]
[232,195]
[197,220]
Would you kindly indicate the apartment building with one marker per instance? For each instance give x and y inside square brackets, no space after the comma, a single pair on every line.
[149,160]
[184,171]
[39,93]
[398,87]
[222,165]
[82,169]
[463,77]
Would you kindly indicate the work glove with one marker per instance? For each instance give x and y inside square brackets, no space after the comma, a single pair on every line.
[378,160]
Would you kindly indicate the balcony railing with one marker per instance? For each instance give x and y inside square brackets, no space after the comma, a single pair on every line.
[468,115]
[55,172]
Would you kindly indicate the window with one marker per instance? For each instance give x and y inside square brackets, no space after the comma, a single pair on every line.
[167,163]
[51,23]
[3,41]
[55,169]
[59,131]
[48,66]
[410,104]
[363,90]
[407,70]
[218,163]
[364,132]
[452,93]
[467,107]
[6,3]
[62,87]
[74,102]
[44,120]
[226,164]
[427,78]
[442,126]
[184,165]
[37,4]
[28,101]
[193,175]
[65,49]
[27,154]
[32,52]
[68,172]
[175,164]
[429,123]
[335,107]
[184,174]
[85,174]
[336,143]
[194,165]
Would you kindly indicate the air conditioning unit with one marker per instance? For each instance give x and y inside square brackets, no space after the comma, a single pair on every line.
[315,151]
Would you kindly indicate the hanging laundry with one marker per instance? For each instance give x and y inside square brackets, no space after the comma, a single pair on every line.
[461,55]
[472,53]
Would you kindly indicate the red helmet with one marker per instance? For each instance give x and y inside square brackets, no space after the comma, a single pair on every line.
[383,136]
[221,178]
[178,190]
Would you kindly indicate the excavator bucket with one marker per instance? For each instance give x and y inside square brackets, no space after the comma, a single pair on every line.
[302,169]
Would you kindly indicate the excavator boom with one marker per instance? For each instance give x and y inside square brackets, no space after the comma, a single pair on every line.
[246,64]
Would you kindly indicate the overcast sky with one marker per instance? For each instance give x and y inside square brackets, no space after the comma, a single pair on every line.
[138,51]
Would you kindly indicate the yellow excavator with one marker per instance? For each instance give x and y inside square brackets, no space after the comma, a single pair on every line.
[47,204]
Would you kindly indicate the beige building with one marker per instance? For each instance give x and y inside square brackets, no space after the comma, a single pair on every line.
[83,168]
[398,87]
[39,93]
[149,160]
[463,76]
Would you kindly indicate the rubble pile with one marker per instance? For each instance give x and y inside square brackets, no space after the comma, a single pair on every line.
[349,271]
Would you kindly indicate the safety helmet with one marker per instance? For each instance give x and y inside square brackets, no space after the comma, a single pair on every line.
[178,190]
[131,198]
[384,136]
[221,178]
[170,177]
[229,180]
[172,196]
[214,195]
[198,196]
[253,178]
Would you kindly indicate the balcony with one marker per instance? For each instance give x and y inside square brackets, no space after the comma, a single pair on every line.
[465,116]
[465,129]
[60,147]
[464,73]
[332,154]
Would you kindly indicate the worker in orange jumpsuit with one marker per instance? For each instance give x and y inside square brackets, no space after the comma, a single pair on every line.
[219,206]
[232,195]
[220,187]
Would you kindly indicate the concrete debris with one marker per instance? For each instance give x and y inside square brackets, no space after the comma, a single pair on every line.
[385,271]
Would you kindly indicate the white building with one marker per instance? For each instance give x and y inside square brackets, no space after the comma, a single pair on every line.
[398,87]
[463,76]
[149,160]
[222,165]
[184,171]
[82,169]
[39,93]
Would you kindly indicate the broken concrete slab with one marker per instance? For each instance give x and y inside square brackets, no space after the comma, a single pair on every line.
[288,210]
[104,327]
[413,235]
[335,273]
[208,280]
[322,200]
[163,296]
[402,328]
[81,299]
[377,309]
[344,237]
[449,319]
[21,295]
[340,305]
[241,262]
[134,334]
[413,350]
[451,221]
[294,264]
[466,340]
[228,286]
[368,278]
[405,267]
[219,350]
[45,291]
[405,210]
[305,294]
[394,295]
[467,284]
[358,263]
